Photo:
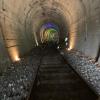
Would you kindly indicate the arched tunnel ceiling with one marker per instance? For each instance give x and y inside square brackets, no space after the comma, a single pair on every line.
[20,19]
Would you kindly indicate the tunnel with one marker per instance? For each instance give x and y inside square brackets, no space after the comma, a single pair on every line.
[34,33]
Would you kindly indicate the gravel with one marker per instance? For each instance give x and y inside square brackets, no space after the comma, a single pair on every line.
[85,67]
[16,82]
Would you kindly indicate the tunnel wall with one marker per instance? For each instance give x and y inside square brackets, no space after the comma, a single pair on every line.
[3,52]
[88,38]
[20,16]
[15,39]
[4,59]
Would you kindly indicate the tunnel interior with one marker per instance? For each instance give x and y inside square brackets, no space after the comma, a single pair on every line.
[79,20]
[63,24]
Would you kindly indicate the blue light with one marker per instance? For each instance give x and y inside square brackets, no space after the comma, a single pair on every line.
[50,25]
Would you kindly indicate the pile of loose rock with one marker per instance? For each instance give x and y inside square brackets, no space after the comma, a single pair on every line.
[85,67]
[16,82]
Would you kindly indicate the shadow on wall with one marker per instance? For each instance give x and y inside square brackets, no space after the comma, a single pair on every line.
[4,59]
[98,54]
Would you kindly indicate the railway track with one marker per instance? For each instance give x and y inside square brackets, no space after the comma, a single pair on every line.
[56,80]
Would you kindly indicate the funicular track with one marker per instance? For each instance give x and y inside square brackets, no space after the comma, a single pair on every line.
[56,80]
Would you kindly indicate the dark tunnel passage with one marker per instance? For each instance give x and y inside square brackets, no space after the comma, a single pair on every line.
[69,29]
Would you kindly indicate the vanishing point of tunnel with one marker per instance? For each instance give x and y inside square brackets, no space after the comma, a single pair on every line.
[49,49]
